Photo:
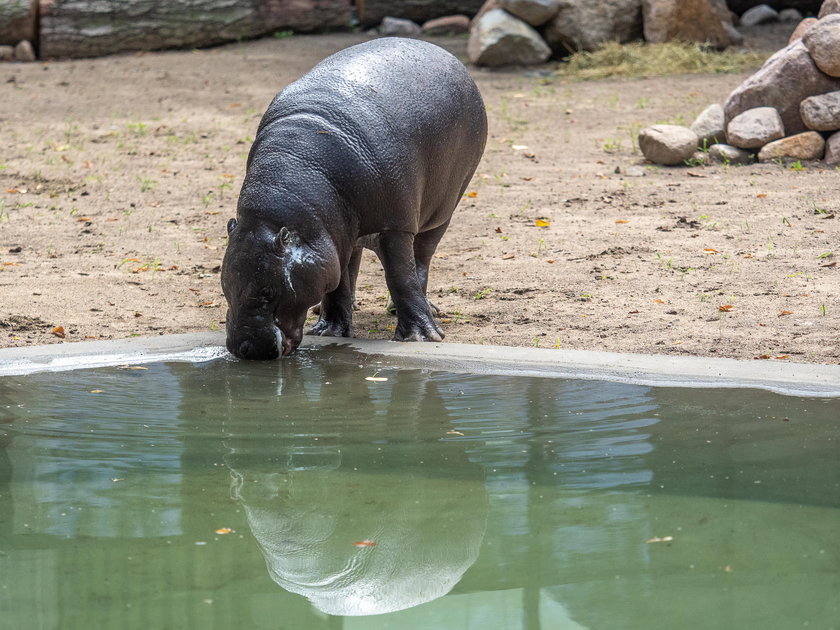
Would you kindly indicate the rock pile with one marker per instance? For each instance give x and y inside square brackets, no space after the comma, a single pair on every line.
[529,31]
[790,108]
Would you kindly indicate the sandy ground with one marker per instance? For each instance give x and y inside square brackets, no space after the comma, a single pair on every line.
[118,175]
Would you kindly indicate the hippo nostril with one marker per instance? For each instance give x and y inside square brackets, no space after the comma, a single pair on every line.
[245,349]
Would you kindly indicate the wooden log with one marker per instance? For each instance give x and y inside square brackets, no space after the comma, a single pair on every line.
[17,21]
[371,12]
[89,28]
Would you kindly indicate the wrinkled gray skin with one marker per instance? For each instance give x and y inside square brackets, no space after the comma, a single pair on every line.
[372,148]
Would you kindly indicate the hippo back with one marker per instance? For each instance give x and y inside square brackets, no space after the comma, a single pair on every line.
[391,130]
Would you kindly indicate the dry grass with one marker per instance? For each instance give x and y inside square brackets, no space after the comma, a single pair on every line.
[640,59]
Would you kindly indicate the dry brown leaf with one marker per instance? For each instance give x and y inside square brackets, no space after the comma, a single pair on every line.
[542,223]
[726,308]
[58,331]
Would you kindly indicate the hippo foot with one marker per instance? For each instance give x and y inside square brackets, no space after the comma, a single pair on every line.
[316,310]
[418,331]
[392,309]
[323,328]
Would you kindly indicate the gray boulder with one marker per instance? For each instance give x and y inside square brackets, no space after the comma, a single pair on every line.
[7,53]
[755,127]
[762,14]
[686,20]
[788,77]
[803,146]
[727,154]
[534,12]
[821,112]
[832,149]
[823,43]
[499,39]
[709,125]
[589,25]
[398,27]
[790,15]
[667,144]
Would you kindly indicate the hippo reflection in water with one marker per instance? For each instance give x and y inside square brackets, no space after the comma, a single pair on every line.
[356,543]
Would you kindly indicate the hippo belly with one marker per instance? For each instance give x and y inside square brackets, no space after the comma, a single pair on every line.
[375,146]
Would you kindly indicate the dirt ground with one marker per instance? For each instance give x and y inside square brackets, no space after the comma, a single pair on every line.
[118,176]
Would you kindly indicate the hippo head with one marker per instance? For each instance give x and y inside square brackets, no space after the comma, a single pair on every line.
[270,279]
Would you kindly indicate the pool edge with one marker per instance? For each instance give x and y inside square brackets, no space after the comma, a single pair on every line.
[801,379]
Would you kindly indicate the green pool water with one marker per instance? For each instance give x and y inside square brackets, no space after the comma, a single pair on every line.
[301,494]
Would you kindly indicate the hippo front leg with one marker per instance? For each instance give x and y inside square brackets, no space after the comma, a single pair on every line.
[336,308]
[414,317]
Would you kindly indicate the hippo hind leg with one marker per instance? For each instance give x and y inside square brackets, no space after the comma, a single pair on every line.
[336,309]
[406,261]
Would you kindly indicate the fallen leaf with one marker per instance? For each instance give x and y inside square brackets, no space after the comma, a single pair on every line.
[376,379]
[472,194]
[761,195]
[831,264]
[542,223]
[138,314]
[58,331]
[453,432]
[726,308]
[657,539]
[782,357]
[622,221]
[762,357]
[711,250]
[659,301]
[551,260]
[508,256]
[519,147]
[97,391]
[783,313]
[364,543]
[83,219]
[692,174]
[224,530]
[498,230]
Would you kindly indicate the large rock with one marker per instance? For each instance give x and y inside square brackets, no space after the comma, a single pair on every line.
[783,82]
[398,27]
[684,20]
[754,128]
[7,53]
[84,28]
[589,25]
[790,15]
[667,144]
[727,154]
[803,146]
[709,125]
[24,51]
[821,112]
[801,29]
[17,21]
[534,12]
[499,39]
[762,14]
[829,7]
[832,149]
[823,43]
[447,25]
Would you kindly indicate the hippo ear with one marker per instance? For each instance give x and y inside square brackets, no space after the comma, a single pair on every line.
[283,239]
[231,226]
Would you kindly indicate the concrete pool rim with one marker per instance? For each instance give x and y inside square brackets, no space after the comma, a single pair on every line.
[797,379]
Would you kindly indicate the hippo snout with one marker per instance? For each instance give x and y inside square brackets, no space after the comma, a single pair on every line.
[253,352]
[254,344]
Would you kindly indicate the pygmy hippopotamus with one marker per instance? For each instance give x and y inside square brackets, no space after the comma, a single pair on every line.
[374,147]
